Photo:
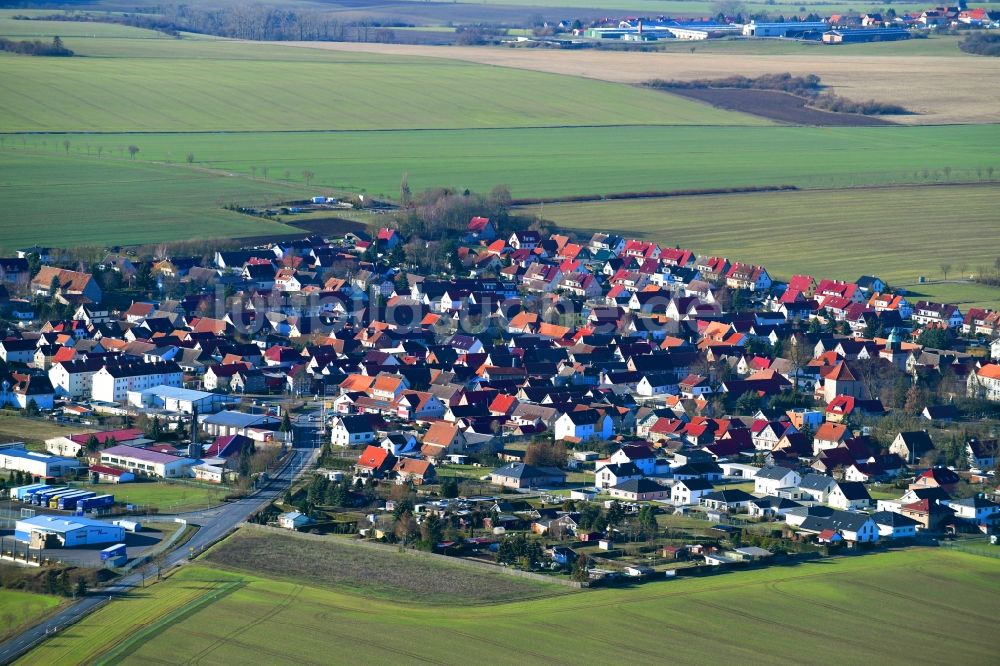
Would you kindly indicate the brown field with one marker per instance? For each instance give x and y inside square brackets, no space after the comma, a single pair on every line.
[937,90]
[780,106]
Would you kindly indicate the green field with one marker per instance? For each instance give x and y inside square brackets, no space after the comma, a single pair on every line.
[897,233]
[33,432]
[19,609]
[321,90]
[917,606]
[165,496]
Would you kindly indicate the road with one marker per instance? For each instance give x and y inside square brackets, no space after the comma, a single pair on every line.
[214,523]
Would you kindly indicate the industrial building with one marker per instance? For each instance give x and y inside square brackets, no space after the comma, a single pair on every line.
[58,532]
[43,465]
[180,400]
[863,35]
[789,29]
[143,462]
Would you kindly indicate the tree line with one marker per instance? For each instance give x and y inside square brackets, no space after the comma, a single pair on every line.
[36,47]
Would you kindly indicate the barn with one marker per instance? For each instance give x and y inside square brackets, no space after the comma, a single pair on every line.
[59,532]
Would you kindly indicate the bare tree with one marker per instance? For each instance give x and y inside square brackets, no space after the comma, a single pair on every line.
[945,269]
[132,150]
[253,171]
[66,145]
[190,158]
[308,177]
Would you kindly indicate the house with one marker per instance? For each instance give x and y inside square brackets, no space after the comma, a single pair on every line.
[770,507]
[69,286]
[936,477]
[637,490]
[728,501]
[830,436]
[985,383]
[981,454]
[23,389]
[912,446]
[521,475]
[850,495]
[931,515]
[441,439]
[978,510]
[375,461]
[417,472]
[353,430]
[641,455]
[615,474]
[748,277]
[293,520]
[817,487]
[18,351]
[940,413]
[770,479]
[847,525]
[114,381]
[583,424]
[690,491]
[480,229]
[942,314]
[893,525]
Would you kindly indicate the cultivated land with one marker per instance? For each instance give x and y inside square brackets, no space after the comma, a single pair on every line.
[340,564]
[940,90]
[19,609]
[915,606]
[33,432]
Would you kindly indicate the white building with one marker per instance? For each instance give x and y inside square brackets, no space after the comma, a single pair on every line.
[40,531]
[770,479]
[113,382]
[690,491]
[143,462]
[180,400]
[74,378]
[583,424]
[16,458]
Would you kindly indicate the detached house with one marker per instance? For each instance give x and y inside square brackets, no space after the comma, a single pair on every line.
[69,285]
[583,424]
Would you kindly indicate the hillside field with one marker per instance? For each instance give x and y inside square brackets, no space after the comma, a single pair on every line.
[898,233]
[19,609]
[915,606]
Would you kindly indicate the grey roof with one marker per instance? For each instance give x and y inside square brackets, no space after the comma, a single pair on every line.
[235,419]
[838,520]
[730,496]
[893,519]
[519,470]
[811,511]
[816,482]
[622,469]
[696,484]
[639,486]
[773,473]
[773,502]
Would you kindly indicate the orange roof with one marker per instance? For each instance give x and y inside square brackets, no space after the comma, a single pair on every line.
[441,433]
[990,371]
[356,382]
[831,432]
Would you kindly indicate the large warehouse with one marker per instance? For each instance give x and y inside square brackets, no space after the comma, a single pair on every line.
[42,465]
[56,532]
[180,400]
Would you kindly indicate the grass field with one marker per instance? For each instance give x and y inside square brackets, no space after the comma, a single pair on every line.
[322,91]
[33,432]
[896,233]
[338,563]
[18,609]
[917,606]
[163,495]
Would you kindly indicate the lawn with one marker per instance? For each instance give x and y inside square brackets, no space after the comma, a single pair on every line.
[916,606]
[384,574]
[18,609]
[166,496]
[896,233]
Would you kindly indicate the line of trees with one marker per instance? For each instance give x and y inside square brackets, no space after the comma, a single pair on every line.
[35,47]
[982,43]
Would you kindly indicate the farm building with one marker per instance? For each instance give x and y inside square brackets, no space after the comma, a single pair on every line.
[180,400]
[144,462]
[862,35]
[54,531]
[15,458]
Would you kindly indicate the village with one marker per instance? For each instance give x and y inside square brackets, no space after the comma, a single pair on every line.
[593,407]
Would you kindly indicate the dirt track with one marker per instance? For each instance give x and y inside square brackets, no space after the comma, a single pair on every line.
[941,90]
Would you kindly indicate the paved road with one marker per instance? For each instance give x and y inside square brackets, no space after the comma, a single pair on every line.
[214,524]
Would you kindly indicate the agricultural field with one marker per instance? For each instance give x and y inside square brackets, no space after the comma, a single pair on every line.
[338,563]
[339,91]
[938,90]
[165,496]
[826,233]
[72,200]
[19,609]
[915,606]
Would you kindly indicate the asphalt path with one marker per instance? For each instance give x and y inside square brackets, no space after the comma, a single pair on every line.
[213,524]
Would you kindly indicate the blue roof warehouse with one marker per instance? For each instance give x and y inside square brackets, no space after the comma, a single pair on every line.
[56,531]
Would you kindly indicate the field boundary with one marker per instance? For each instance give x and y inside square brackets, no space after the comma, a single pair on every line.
[483,566]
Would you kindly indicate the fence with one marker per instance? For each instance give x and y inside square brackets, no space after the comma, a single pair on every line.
[483,566]
[981,547]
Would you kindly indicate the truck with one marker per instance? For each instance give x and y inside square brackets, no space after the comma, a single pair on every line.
[112,552]
[21,492]
[128,525]
[42,498]
[69,502]
[53,501]
[99,502]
